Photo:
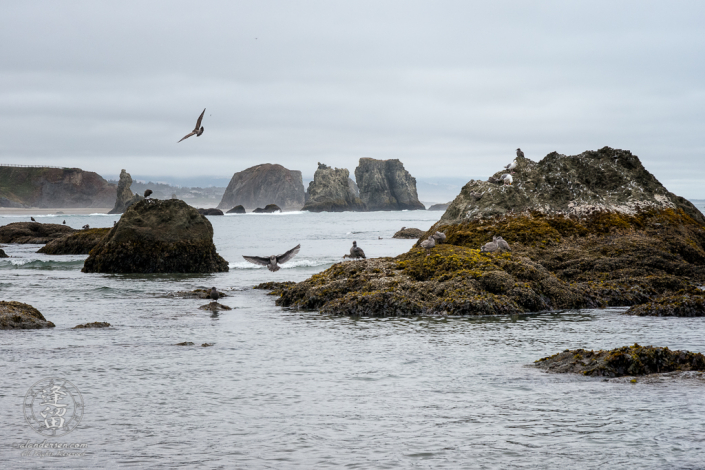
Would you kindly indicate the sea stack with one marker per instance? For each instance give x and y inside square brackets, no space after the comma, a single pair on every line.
[265,184]
[125,197]
[332,190]
[386,186]
[157,236]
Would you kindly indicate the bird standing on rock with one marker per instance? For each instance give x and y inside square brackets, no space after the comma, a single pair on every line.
[64,222]
[520,154]
[507,179]
[273,261]
[428,244]
[355,252]
[198,130]
[490,247]
[511,166]
[147,193]
[214,294]
[439,237]
[32,219]
[501,243]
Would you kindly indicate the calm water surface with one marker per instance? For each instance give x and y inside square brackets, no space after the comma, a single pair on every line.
[290,389]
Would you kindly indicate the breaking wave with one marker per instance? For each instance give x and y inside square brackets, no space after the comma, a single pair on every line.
[28,263]
[302,263]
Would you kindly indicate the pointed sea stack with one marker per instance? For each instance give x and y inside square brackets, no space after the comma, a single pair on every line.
[386,186]
[125,197]
[332,190]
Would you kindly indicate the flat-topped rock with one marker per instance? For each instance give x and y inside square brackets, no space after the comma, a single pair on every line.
[155,236]
[33,232]
[684,305]
[265,184]
[80,242]
[19,316]
[409,233]
[210,211]
[95,324]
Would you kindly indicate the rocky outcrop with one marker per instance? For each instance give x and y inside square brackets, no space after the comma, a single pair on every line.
[604,180]
[265,184]
[95,324]
[332,190]
[19,316]
[409,233]
[155,236]
[80,242]
[3,254]
[33,232]
[386,186]
[237,210]
[629,360]
[558,261]
[439,207]
[268,209]
[53,187]
[210,211]
[684,305]
[125,197]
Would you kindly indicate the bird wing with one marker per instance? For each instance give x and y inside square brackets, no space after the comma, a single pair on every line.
[288,255]
[200,118]
[257,260]
[187,136]
[361,253]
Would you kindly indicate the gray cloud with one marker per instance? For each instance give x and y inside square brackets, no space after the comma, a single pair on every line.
[450,88]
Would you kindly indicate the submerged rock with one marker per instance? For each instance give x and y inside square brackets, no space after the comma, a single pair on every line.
[19,316]
[409,233]
[195,294]
[155,236]
[214,307]
[268,209]
[332,190]
[32,232]
[211,211]
[685,305]
[77,243]
[386,186]
[265,184]
[125,197]
[629,360]
[275,288]
[3,254]
[95,324]
[185,343]
[237,210]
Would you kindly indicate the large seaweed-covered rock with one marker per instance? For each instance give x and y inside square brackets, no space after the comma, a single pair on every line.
[125,197]
[265,184]
[386,186]
[409,233]
[80,242]
[33,232]
[629,360]
[155,236]
[683,305]
[19,316]
[332,190]
[53,187]
[606,180]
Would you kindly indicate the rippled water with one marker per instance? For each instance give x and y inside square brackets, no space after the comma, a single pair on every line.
[291,389]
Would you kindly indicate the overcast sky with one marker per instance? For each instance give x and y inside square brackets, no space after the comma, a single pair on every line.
[449,88]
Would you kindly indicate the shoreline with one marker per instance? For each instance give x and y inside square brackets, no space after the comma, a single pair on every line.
[29,211]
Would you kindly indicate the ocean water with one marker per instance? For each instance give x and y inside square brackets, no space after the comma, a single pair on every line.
[295,389]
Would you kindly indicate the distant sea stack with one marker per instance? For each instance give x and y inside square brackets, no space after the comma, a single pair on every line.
[265,184]
[53,187]
[332,190]
[386,186]
[125,197]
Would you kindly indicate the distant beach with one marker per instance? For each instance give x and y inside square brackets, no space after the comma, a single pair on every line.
[17,211]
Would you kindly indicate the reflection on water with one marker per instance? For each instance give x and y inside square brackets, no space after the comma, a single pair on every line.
[283,388]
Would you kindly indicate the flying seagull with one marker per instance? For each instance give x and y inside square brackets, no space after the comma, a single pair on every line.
[148,192]
[273,261]
[198,130]
[511,166]
[520,154]
[214,294]
[355,252]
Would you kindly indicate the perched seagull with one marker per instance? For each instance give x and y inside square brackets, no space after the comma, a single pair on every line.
[273,261]
[86,227]
[199,128]
[355,252]
[32,218]
[520,154]
[511,166]
[149,192]
[214,294]
[428,244]
[501,243]
[507,178]
[439,237]
[489,247]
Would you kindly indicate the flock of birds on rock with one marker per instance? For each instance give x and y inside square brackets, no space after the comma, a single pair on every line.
[507,178]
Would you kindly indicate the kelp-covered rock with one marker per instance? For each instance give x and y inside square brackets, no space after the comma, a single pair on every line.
[155,236]
[125,197]
[606,180]
[684,305]
[19,316]
[237,210]
[265,184]
[3,254]
[275,288]
[332,190]
[32,232]
[214,307]
[630,360]
[409,233]
[80,242]
[268,209]
[386,186]
[95,324]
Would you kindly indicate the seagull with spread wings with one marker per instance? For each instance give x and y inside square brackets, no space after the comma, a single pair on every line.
[273,261]
[198,129]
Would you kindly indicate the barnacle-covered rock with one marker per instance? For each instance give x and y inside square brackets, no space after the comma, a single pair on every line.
[19,316]
[683,305]
[80,242]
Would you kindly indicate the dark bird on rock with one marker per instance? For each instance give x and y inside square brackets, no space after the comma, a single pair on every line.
[428,244]
[214,294]
[86,227]
[520,154]
[273,261]
[32,218]
[439,237]
[355,252]
[147,193]
[114,223]
[198,130]
[64,222]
